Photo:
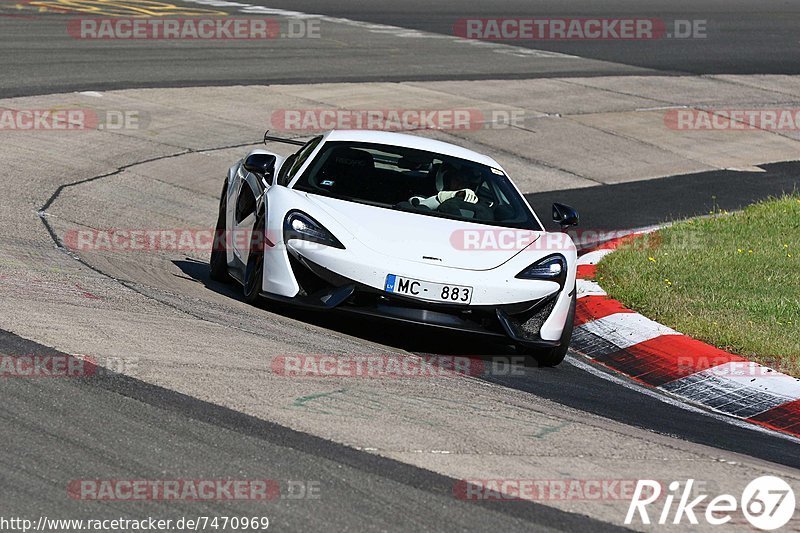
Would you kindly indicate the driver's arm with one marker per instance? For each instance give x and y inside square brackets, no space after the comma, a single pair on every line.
[468,195]
[433,202]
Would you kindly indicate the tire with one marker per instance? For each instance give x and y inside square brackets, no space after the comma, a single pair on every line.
[254,272]
[218,263]
[553,356]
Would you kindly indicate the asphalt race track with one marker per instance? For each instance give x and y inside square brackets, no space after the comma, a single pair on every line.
[743,37]
[212,441]
[641,204]
[195,397]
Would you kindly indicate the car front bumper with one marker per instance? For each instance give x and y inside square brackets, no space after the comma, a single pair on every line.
[519,322]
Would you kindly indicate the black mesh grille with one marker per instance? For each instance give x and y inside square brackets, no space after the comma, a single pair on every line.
[528,325]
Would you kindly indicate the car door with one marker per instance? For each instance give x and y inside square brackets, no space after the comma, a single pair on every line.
[249,191]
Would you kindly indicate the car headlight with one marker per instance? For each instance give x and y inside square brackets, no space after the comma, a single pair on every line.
[299,225]
[550,268]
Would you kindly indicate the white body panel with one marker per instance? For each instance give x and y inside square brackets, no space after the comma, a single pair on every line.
[381,241]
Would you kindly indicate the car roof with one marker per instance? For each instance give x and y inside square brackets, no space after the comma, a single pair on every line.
[410,141]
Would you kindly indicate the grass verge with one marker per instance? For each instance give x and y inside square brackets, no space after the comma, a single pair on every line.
[731,280]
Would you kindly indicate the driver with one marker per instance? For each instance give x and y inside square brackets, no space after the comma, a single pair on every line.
[458,183]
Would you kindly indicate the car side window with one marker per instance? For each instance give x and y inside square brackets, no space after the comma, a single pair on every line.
[296,160]
[284,171]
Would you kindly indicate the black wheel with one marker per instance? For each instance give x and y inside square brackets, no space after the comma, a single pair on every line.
[254,272]
[553,356]
[218,264]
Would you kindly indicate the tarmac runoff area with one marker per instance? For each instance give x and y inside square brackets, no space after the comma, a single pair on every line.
[154,311]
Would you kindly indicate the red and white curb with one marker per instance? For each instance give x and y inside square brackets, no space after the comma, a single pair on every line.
[660,357]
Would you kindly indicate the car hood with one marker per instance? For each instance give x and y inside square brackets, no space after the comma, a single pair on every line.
[427,239]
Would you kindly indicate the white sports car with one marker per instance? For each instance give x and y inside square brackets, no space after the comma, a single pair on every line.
[400,227]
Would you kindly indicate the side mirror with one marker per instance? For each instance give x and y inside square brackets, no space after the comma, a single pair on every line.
[564,215]
[260,164]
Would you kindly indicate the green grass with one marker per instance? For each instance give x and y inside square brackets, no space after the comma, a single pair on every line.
[731,280]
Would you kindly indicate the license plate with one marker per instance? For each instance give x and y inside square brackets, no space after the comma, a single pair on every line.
[428,290]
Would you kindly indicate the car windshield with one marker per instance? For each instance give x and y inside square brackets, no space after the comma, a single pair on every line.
[417,181]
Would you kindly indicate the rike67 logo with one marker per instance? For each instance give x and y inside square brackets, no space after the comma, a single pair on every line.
[768,503]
